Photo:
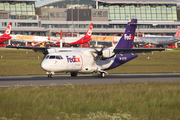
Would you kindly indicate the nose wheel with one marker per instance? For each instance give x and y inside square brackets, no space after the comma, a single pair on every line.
[50,75]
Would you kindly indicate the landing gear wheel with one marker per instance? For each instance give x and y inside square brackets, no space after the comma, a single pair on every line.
[73,74]
[50,75]
[102,75]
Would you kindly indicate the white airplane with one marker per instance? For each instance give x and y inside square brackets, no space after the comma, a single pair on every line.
[91,60]
[159,40]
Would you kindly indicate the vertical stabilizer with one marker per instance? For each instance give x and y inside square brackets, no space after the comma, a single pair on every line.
[89,31]
[178,32]
[8,29]
[126,41]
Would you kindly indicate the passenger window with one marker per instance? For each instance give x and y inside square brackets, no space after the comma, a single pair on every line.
[52,57]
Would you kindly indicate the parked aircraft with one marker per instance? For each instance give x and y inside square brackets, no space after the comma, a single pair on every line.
[6,36]
[159,40]
[78,40]
[91,60]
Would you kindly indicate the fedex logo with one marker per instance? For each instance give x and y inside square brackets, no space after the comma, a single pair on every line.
[73,59]
[130,37]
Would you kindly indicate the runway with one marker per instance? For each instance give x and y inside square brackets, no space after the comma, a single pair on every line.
[6,81]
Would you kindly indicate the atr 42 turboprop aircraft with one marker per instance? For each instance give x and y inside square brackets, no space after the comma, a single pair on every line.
[160,40]
[91,60]
[79,40]
[6,36]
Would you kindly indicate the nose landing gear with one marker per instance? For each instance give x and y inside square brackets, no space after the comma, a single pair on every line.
[50,74]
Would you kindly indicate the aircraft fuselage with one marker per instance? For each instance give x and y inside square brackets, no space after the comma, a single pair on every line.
[158,40]
[4,38]
[81,62]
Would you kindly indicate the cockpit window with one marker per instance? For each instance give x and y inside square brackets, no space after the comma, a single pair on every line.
[59,57]
[47,56]
[54,57]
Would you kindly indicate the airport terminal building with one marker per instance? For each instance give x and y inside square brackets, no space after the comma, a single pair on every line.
[108,16]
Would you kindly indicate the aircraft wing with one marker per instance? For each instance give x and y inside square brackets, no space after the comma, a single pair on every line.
[123,51]
[41,49]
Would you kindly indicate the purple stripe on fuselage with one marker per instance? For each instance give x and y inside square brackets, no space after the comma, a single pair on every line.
[119,60]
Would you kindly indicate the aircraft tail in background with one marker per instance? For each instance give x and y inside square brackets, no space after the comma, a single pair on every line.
[84,39]
[178,33]
[89,31]
[126,41]
[8,30]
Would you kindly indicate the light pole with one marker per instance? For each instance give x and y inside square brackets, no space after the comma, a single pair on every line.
[72,15]
[143,16]
[78,17]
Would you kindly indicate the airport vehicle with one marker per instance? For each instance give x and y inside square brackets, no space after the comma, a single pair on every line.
[91,60]
[159,40]
[6,36]
[77,40]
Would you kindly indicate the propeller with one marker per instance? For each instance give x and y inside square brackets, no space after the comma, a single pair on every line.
[99,53]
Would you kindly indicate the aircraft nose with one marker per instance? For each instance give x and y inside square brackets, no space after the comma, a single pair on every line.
[45,66]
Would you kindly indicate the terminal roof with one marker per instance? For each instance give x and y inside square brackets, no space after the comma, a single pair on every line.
[141,1]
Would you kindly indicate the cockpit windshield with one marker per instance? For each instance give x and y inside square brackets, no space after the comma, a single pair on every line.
[59,57]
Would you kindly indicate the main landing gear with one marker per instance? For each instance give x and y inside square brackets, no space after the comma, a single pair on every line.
[101,75]
[73,74]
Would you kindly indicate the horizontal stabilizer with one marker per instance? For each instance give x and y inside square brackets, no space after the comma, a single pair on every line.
[124,51]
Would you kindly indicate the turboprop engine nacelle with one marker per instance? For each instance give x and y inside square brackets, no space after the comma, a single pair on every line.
[107,53]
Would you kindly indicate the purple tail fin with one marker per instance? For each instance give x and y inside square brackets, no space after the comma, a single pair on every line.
[126,41]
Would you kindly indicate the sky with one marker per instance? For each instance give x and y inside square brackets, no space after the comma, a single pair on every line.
[46,1]
[42,2]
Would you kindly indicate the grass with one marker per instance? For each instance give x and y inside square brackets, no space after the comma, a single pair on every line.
[26,62]
[122,101]
[20,62]
[130,101]
[158,62]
